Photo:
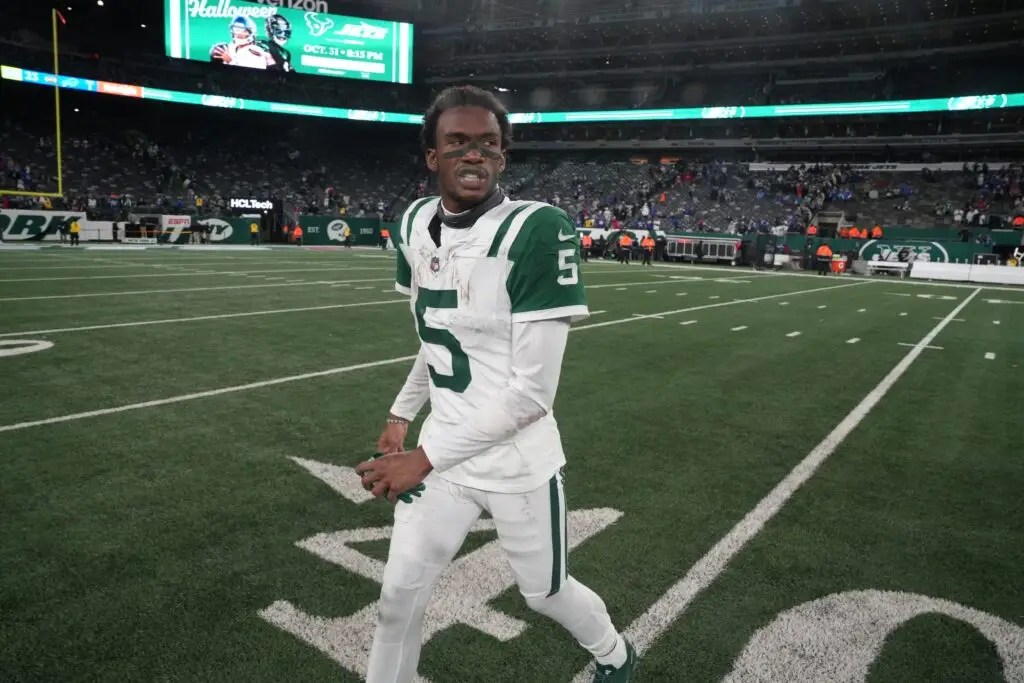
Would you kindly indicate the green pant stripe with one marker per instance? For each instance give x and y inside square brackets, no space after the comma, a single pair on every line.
[557,515]
[499,235]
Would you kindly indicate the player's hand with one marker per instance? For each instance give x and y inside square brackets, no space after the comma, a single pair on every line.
[222,54]
[392,438]
[397,475]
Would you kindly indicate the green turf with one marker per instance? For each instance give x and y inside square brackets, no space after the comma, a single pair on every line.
[142,545]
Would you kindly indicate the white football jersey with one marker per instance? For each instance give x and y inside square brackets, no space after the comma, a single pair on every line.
[249,55]
[518,263]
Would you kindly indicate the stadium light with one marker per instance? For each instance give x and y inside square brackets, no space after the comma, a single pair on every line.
[99,2]
[143,25]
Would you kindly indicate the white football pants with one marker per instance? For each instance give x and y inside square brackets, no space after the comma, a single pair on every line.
[429,532]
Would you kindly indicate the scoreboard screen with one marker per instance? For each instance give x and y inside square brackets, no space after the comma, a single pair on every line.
[264,37]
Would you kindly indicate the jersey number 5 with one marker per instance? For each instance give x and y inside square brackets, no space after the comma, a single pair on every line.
[568,271]
[459,380]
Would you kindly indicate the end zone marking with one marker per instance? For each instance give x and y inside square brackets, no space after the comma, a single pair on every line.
[649,626]
[990,356]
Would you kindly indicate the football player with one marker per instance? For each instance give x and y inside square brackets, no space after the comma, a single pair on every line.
[243,50]
[279,31]
[494,285]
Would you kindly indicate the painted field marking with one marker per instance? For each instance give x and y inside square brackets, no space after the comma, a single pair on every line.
[204,394]
[597,312]
[784,303]
[360,366]
[822,306]
[934,348]
[199,318]
[184,289]
[227,272]
[681,294]
[897,294]
[990,356]
[738,329]
[939,317]
[715,297]
[794,334]
[903,315]
[648,627]
[995,322]
[651,291]
[619,289]
[720,304]
[853,340]
[688,322]
[862,310]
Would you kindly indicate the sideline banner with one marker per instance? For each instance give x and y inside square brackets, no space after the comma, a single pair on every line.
[330,230]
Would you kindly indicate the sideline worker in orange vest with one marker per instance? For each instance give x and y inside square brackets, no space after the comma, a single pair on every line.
[585,245]
[385,235]
[625,245]
[648,244]
[812,231]
[823,256]
[876,232]
[297,234]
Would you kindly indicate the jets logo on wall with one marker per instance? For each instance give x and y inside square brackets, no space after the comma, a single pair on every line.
[220,230]
[336,231]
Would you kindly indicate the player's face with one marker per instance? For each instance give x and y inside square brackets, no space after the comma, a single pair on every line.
[468,158]
[240,35]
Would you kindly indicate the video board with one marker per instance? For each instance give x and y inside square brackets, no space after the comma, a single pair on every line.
[284,40]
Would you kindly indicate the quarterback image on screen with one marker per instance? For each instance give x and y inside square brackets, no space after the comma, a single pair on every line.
[279,30]
[243,50]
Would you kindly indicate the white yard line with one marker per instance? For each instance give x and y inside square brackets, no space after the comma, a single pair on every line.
[223,272]
[198,318]
[349,368]
[647,628]
[204,394]
[714,305]
[188,289]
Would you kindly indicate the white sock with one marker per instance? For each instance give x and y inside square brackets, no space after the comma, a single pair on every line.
[617,656]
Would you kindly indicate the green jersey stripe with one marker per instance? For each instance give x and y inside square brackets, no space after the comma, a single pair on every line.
[502,231]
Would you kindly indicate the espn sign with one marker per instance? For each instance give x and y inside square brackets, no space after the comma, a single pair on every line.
[306,5]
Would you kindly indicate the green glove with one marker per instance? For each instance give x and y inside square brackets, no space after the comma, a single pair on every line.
[406,497]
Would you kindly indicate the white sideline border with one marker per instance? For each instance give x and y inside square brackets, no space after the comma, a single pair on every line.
[360,366]
[746,271]
[202,274]
[649,626]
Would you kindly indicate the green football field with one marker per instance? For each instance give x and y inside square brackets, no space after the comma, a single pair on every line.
[771,477]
